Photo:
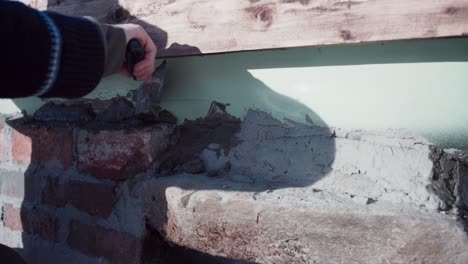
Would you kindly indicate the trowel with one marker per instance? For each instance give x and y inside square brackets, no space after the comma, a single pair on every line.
[148,96]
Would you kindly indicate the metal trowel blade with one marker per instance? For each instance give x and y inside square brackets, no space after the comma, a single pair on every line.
[148,96]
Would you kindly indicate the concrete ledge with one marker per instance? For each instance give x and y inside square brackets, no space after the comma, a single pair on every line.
[283,192]
[298,225]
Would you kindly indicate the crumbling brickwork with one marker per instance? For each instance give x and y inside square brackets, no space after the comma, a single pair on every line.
[256,190]
[63,184]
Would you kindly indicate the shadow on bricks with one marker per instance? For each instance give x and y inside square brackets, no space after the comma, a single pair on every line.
[89,187]
[79,180]
[83,183]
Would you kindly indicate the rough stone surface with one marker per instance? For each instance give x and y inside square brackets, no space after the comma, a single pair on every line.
[157,250]
[299,225]
[450,179]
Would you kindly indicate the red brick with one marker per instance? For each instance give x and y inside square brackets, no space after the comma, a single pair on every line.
[12,217]
[3,143]
[116,246]
[41,144]
[22,148]
[32,221]
[94,198]
[115,154]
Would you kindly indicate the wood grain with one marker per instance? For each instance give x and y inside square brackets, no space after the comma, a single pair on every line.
[190,27]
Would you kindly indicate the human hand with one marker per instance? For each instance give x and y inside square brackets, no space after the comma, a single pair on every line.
[143,70]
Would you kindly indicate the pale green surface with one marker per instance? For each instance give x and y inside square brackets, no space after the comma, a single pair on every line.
[418,85]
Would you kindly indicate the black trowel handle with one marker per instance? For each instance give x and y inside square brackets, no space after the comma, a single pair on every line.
[134,54]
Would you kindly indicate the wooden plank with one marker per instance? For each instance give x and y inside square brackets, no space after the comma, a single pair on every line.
[190,27]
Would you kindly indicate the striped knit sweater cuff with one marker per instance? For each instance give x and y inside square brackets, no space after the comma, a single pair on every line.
[54,59]
[81,57]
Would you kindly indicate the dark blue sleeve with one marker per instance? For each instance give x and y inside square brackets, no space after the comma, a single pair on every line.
[47,54]
[24,47]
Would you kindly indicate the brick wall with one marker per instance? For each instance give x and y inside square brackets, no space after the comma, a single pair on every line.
[74,186]
[88,191]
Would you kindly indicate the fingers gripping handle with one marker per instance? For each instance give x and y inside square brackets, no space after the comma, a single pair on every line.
[134,54]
